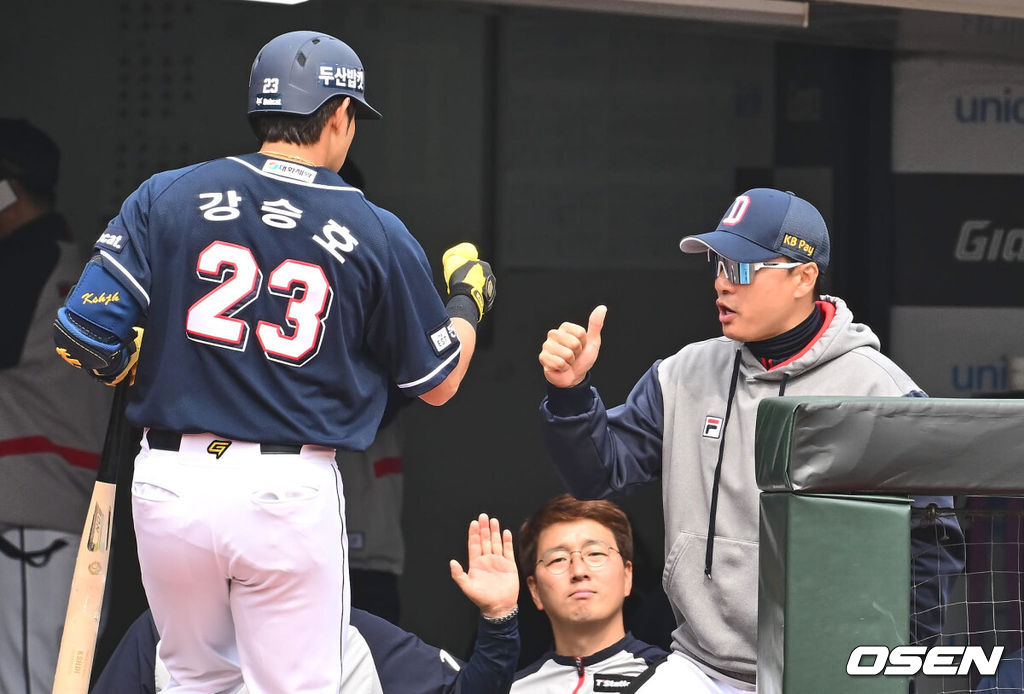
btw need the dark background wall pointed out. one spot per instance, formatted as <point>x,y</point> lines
<point>575,149</point>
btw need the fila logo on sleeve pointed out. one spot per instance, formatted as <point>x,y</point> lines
<point>712,427</point>
<point>736,212</point>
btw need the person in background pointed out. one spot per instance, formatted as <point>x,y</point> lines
<point>52,420</point>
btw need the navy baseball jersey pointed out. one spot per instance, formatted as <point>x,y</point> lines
<point>280,303</point>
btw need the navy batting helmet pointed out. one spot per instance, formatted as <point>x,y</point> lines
<point>298,71</point>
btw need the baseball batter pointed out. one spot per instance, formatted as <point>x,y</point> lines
<point>278,306</point>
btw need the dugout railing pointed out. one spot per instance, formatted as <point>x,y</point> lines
<point>835,525</point>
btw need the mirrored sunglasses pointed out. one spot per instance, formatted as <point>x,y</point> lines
<point>741,273</point>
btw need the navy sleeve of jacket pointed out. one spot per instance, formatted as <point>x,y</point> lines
<point>132,667</point>
<point>597,451</point>
<point>1009,676</point>
<point>407,665</point>
<point>937,558</point>
<point>493,664</point>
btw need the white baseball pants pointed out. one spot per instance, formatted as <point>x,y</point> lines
<point>243,557</point>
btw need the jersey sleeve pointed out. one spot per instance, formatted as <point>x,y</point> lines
<point>409,330</point>
<point>598,451</point>
<point>121,248</point>
<point>111,295</point>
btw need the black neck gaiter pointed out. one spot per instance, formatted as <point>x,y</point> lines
<point>778,349</point>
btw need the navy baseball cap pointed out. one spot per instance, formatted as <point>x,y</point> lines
<point>765,223</point>
<point>28,155</point>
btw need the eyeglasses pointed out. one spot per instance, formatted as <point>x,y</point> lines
<point>559,559</point>
<point>741,273</point>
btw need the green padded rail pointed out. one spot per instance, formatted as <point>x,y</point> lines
<point>923,445</point>
<point>834,575</point>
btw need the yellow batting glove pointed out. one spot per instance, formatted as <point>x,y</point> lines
<point>466,275</point>
<point>454,258</point>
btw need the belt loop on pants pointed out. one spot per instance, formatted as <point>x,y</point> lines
<point>165,440</point>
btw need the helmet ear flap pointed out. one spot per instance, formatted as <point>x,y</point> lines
<point>297,72</point>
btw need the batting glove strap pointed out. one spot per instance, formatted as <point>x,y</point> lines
<point>130,364</point>
<point>462,306</point>
<point>475,280</point>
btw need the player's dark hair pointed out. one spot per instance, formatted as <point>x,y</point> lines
<point>293,128</point>
<point>567,509</point>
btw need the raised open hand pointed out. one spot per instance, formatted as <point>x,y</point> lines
<point>492,580</point>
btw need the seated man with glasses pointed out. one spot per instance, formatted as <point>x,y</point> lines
<point>577,559</point>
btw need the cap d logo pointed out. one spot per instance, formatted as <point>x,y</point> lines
<point>736,212</point>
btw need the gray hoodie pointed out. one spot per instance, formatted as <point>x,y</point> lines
<point>679,419</point>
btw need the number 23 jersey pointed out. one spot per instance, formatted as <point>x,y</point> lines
<point>280,304</point>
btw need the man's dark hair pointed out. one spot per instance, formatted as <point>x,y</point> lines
<point>293,128</point>
<point>567,509</point>
<point>30,157</point>
<point>43,199</point>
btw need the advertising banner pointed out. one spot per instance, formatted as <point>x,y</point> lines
<point>960,352</point>
<point>957,116</point>
<point>958,240</point>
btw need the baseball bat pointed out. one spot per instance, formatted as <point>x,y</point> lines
<point>81,625</point>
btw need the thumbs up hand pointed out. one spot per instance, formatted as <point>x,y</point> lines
<point>571,350</point>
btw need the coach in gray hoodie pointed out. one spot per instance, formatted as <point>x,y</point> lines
<point>690,422</point>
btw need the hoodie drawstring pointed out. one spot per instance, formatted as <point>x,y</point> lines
<point>709,555</point>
